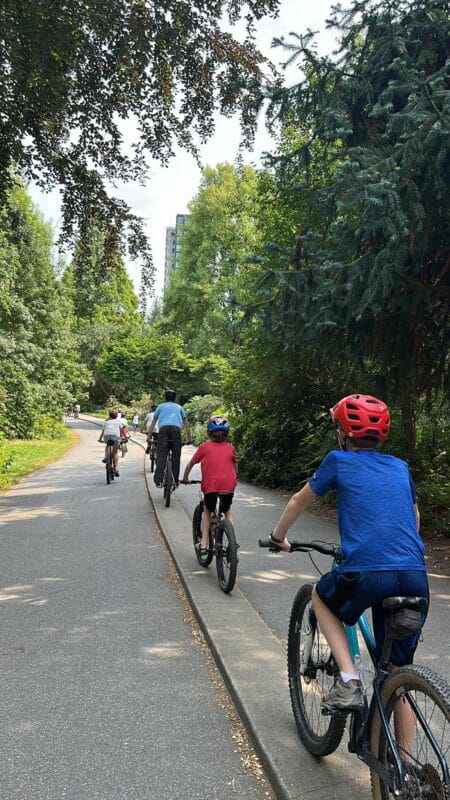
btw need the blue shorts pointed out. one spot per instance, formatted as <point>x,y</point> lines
<point>349,594</point>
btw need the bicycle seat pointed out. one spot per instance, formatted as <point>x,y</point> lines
<point>395,603</point>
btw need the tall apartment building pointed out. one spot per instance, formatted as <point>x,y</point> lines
<point>174,237</point>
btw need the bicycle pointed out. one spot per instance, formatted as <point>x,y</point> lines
<point>416,770</point>
<point>168,482</point>
<point>221,543</point>
<point>109,461</point>
<point>152,453</point>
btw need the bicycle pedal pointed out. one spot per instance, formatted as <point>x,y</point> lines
<point>333,711</point>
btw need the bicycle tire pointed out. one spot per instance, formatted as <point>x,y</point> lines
<point>321,735</point>
<point>204,561</point>
<point>426,779</point>
<point>168,481</point>
<point>108,475</point>
<point>226,556</point>
<point>152,461</point>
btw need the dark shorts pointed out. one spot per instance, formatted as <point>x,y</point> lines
<point>349,594</point>
<point>210,501</point>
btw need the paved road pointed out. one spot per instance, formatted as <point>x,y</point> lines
<point>104,694</point>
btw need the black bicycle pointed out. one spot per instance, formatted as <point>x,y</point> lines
<point>168,482</point>
<point>221,543</point>
<point>152,453</point>
<point>406,761</point>
<point>109,465</point>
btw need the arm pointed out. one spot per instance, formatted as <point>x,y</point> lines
<point>298,503</point>
<point>100,438</point>
<point>188,430</point>
<point>417,516</point>
<point>187,470</point>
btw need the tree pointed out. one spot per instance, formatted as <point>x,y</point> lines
<point>215,262</point>
<point>71,72</point>
<point>377,281</point>
<point>39,366</point>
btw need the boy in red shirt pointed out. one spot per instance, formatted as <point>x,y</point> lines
<point>219,473</point>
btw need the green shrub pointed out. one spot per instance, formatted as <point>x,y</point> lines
<point>47,427</point>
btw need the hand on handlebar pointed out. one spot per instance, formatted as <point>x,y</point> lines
<point>275,547</point>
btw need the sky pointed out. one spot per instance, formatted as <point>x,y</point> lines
<point>168,190</point>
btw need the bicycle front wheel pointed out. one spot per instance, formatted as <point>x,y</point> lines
<point>168,482</point>
<point>226,556</point>
<point>204,561</point>
<point>417,705</point>
<point>311,673</point>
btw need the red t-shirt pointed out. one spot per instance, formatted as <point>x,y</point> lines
<point>218,463</point>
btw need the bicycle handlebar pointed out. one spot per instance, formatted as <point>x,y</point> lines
<point>326,548</point>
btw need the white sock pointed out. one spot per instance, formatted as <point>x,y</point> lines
<point>346,677</point>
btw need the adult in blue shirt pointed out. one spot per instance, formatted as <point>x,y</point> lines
<point>171,417</point>
<point>382,552</point>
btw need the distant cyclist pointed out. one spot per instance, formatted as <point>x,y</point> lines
<point>77,410</point>
<point>111,432</point>
<point>145,428</point>
<point>218,462</point>
<point>135,423</point>
<point>383,554</point>
<point>171,417</point>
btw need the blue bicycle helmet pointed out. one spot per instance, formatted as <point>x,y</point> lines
<point>218,423</point>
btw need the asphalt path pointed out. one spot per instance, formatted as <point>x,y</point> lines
<point>104,693</point>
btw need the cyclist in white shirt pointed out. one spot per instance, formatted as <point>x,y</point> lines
<point>147,422</point>
<point>111,433</point>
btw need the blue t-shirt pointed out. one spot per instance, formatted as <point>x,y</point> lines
<point>375,496</point>
<point>170,414</point>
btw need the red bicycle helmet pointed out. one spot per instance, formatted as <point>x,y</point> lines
<point>361,415</point>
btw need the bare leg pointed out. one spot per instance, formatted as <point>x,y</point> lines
<point>116,458</point>
<point>229,516</point>
<point>206,518</point>
<point>333,630</point>
<point>404,726</point>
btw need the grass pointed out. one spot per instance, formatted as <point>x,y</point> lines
<point>19,457</point>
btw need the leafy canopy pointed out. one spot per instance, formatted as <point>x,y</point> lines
<point>71,73</point>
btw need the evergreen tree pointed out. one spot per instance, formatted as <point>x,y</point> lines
<point>375,282</point>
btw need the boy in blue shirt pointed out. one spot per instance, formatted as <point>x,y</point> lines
<point>383,554</point>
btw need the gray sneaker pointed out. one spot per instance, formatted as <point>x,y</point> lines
<point>344,695</point>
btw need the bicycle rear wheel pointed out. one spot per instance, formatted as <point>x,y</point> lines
<point>311,671</point>
<point>152,458</point>
<point>204,561</point>
<point>425,696</point>
<point>168,481</point>
<point>226,556</point>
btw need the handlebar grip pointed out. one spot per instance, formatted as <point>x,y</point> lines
<point>267,543</point>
